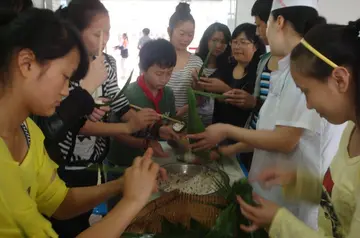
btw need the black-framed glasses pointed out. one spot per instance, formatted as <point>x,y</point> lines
<point>241,43</point>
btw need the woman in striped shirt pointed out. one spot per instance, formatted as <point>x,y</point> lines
<point>181,31</point>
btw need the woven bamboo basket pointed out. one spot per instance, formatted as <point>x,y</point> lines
<point>177,207</point>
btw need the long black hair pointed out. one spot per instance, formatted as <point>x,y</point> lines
<point>40,31</point>
<point>204,43</point>
<point>340,44</point>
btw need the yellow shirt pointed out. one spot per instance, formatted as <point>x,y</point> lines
<point>29,189</point>
<point>345,173</point>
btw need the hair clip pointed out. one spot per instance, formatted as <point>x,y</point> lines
<point>318,54</point>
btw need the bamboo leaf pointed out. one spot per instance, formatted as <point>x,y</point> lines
<point>205,64</point>
<point>118,95</point>
<point>210,95</point>
<point>225,223</point>
<point>195,125</point>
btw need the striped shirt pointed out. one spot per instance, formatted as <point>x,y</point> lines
<point>181,80</point>
<point>83,151</point>
<point>264,90</point>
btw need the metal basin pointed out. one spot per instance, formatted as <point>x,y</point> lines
<point>186,169</point>
<point>191,170</point>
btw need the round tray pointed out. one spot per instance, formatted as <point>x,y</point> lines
<point>191,170</point>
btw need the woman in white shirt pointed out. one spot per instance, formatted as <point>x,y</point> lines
<point>288,133</point>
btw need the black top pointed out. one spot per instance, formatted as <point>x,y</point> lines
<point>225,112</point>
<point>69,116</point>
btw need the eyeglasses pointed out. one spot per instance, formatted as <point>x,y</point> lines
<point>241,43</point>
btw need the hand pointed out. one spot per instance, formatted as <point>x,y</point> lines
<point>214,155</point>
<point>276,176</point>
<point>212,136</point>
<point>96,75</point>
<point>240,98</point>
<point>182,111</point>
<point>260,216</point>
<point>213,85</point>
<point>142,119</point>
<point>225,150</point>
<point>167,133</point>
<point>99,113</point>
<point>158,150</point>
<point>140,180</point>
<point>194,75</point>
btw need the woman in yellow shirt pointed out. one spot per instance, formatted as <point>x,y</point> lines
<point>325,67</point>
<point>38,54</point>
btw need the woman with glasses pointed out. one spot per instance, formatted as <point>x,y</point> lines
<point>239,74</point>
<point>216,39</point>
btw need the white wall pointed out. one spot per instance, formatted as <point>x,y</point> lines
<point>336,11</point>
<point>340,11</point>
<point>38,3</point>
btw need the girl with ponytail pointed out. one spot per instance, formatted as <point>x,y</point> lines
<point>325,67</point>
<point>181,31</point>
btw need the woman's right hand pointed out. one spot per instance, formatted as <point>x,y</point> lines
<point>142,119</point>
<point>96,75</point>
<point>276,176</point>
<point>214,85</point>
<point>195,80</point>
<point>140,180</point>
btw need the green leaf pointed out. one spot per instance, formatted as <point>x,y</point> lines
<point>118,95</point>
<point>195,125</point>
<point>205,64</point>
<point>225,224</point>
<point>210,95</point>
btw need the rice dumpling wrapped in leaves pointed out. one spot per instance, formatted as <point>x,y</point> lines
<point>195,125</point>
